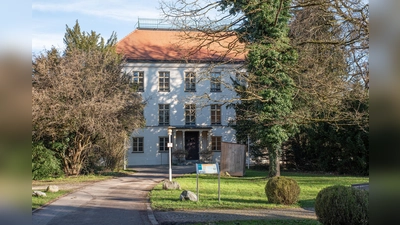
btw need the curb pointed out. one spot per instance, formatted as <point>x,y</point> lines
<point>150,214</point>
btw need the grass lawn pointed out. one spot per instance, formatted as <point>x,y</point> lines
<point>243,192</point>
<point>266,222</point>
<point>38,202</point>
<point>71,180</point>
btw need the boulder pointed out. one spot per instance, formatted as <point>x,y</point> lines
<point>52,188</point>
<point>39,194</point>
<point>168,185</point>
<point>188,195</point>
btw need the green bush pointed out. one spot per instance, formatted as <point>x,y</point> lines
<point>342,205</point>
<point>44,163</point>
<point>282,190</point>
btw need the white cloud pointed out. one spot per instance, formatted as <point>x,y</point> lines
<point>105,16</point>
<point>118,10</point>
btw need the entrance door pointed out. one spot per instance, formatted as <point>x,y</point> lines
<point>192,145</point>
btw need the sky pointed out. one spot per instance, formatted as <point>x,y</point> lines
<point>49,18</point>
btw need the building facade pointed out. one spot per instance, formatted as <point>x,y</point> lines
<point>187,94</point>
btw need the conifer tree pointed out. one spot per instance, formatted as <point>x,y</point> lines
<point>265,30</point>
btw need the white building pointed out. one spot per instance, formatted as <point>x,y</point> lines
<point>182,91</point>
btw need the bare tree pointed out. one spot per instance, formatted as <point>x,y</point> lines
<point>332,73</point>
<point>330,76</point>
<point>81,101</point>
<point>330,36</point>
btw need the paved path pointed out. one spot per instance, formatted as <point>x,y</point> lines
<point>124,200</point>
<point>120,200</point>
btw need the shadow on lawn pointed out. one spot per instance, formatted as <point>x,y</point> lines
<point>307,204</point>
<point>247,201</point>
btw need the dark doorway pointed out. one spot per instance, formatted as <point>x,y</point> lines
<point>192,145</point>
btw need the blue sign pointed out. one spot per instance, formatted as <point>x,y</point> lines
<point>207,168</point>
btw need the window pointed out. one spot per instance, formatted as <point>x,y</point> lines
<point>162,144</point>
<point>163,114</point>
<point>215,114</point>
<point>241,78</point>
<point>190,81</point>
<point>163,81</point>
<point>137,144</point>
<point>190,114</point>
<point>216,143</point>
<point>137,78</point>
<point>215,82</point>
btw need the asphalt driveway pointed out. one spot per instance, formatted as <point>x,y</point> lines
<point>120,200</point>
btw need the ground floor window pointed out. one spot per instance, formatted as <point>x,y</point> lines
<point>216,143</point>
<point>137,144</point>
<point>162,144</point>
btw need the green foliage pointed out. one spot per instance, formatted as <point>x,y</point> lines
<point>44,162</point>
<point>75,39</point>
<point>265,31</point>
<point>323,147</point>
<point>342,205</point>
<point>262,17</point>
<point>282,190</point>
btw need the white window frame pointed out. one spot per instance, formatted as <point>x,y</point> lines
<point>136,147</point>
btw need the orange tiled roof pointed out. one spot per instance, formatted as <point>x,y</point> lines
<point>170,45</point>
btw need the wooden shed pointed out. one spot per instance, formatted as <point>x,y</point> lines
<point>233,158</point>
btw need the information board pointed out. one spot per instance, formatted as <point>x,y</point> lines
<point>207,168</point>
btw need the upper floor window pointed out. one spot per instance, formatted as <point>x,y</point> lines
<point>215,82</point>
<point>162,144</point>
<point>190,114</point>
<point>190,81</point>
<point>163,81</point>
<point>163,114</point>
<point>241,78</point>
<point>137,144</point>
<point>137,78</point>
<point>215,114</point>
<point>216,143</point>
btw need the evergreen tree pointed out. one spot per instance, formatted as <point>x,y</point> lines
<point>265,31</point>
<point>75,39</point>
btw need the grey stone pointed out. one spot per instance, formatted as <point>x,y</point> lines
<point>188,195</point>
<point>52,188</point>
<point>39,194</point>
<point>168,185</point>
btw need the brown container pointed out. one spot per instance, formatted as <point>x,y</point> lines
<point>233,159</point>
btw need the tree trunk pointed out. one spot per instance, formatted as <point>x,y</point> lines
<point>74,158</point>
<point>277,163</point>
<point>274,165</point>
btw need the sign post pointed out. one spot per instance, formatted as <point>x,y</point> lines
<point>208,169</point>
<point>170,157</point>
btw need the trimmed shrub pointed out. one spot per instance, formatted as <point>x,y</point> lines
<point>342,205</point>
<point>282,190</point>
